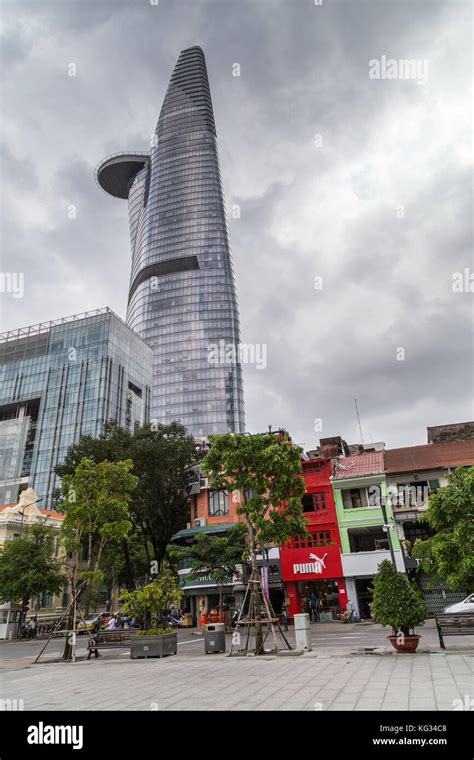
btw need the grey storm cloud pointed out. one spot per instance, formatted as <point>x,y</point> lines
<point>378,206</point>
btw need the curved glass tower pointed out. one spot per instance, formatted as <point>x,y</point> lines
<point>182,299</point>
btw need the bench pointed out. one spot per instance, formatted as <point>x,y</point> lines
<point>454,624</point>
<point>110,640</point>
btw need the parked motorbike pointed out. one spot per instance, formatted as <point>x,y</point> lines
<point>174,621</point>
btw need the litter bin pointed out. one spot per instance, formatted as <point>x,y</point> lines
<point>303,632</point>
<point>214,638</point>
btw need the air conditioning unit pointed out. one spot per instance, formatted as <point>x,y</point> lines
<point>204,483</point>
<point>199,522</point>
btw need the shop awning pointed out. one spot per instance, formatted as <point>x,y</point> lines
<point>192,532</point>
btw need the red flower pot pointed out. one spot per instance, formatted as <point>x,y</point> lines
<point>407,644</point>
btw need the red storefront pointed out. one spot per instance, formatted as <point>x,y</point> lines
<point>311,566</point>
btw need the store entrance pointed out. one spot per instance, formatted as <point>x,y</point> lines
<point>277,598</point>
<point>364,596</point>
<point>320,599</point>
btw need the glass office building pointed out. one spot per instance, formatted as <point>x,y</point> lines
<point>60,380</point>
<point>182,298</point>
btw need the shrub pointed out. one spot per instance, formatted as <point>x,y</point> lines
<point>153,601</point>
<point>156,631</point>
<point>395,602</point>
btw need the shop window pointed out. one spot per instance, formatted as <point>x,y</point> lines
<point>218,503</point>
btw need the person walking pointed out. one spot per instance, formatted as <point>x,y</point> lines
<point>313,605</point>
<point>32,628</point>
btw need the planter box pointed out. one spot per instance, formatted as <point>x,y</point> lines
<point>410,643</point>
<point>154,646</point>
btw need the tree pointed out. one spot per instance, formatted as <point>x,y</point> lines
<point>96,499</point>
<point>153,601</point>
<point>29,567</point>
<point>215,557</point>
<point>161,455</point>
<point>449,555</point>
<point>395,601</point>
<point>266,471</point>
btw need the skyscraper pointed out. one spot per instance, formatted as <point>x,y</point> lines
<point>182,298</point>
<point>60,380</point>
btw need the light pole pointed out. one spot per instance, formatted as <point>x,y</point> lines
<point>387,528</point>
<point>24,606</point>
<point>23,512</point>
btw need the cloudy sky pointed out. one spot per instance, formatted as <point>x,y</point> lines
<point>364,183</point>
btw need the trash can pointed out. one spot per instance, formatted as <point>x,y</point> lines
<point>303,632</point>
<point>214,638</point>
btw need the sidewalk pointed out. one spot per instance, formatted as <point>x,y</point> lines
<point>217,682</point>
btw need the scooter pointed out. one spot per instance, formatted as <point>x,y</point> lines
<point>174,621</point>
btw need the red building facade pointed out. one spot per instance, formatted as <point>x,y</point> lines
<point>311,566</point>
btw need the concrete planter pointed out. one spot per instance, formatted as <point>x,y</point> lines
<point>154,646</point>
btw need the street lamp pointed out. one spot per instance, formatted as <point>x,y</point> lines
<point>24,607</point>
<point>23,513</point>
<point>387,528</point>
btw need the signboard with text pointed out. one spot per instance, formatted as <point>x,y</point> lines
<point>315,563</point>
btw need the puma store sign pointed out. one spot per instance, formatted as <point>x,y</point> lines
<point>316,566</point>
<point>320,563</point>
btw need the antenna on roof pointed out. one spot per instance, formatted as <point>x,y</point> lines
<point>358,420</point>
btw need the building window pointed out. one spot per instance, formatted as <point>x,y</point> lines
<point>317,538</point>
<point>313,467</point>
<point>218,503</point>
<point>367,539</point>
<point>314,502</point>
<point>319,501</point>
<point>354,498</point>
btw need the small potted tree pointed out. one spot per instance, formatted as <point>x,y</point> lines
<point>151,603</point>
<point>397,604</point>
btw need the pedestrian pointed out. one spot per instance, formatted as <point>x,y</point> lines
<point>32,628</point>
<point>313,605</point>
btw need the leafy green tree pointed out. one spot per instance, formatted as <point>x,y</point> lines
<point>161,454</point>
<point>215,557</point>
<point>29,567</point>
<point>264,472</point>
<point>395,601</point>
<point>153,601</point>
<point>449,555</point>
<point>96,499</point>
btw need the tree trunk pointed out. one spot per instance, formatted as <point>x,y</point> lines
<point>24,610</point>
<point>255,599</point>
<point>128,566</point>
<point>67,652</point>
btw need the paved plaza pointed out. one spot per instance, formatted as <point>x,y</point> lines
<point>351,668</point>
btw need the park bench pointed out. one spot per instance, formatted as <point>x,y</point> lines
<point>454,624</point>
<point>110,640</point>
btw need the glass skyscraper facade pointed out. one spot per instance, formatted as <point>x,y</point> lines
<point>60,380</point>
<point>182,298</point>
